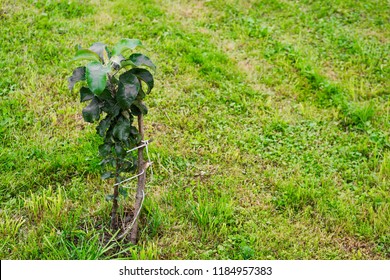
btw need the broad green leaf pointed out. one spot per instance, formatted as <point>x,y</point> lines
<point>127,62</point>
<point>106,95</point>
<point>107,175</point>
<point>123,191</point>
<point>113,164</point>
<point>116,61</point>
<point>110,105</point>
<point>127,90</point>
<point>141,95</point>
<point>109,197</point>
<point>135,110</point>
<point>84,54</point>
<point>142,107</point>
<point>78,75</point>
<point>125,44</point>
<point>139,59</point>
<point>135,136</point>
<point>111,108</point>
<point>104,149</point>
<point>127,115</point>
<point>122,129</point>
<point>103,126</point>
<point>91,113</point>
<point>118,178</point>
<point>129,166</point>
<point>138,108</point>
<point>96,75</point>
<point>101,50</point>
<point>120,152</point>
<point>131,142</point>
<point>134,130</point>
<point>145,76</point>
<point>85,94</point>
<point>114,81</point>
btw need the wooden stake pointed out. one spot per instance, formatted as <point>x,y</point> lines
<point>141,181</point>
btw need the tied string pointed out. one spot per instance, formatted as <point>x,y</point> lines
<point>127,230</point>
<point>147,164</point>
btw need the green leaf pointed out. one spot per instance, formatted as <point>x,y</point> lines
<point>103,126</point>
<point>113,81</point>
<point>85,94</point>
<point>138,108</point>
<point>96,75</point>
<point>111,108</point>
<point>107,175</point>
<point>91,113</point>
<point>106,95</point>
<point>127,115</point>
<point>109,197</point>
<point>101,50</point>
<point>134,131</point>
<point>117,61</point>
<point>139,59</point>
<point>120,152</point>
<point>110,105</point>
<point>78,75</point>
<point>129,166</point>
<point>127,90</point>
<point>135,137</point>
<point>125,44</point>
<point>104,162</point>
<point>142,107</point>
<point>113,164</point>
<point>145,76</point>
<point>84,54</point>
<point>141,95</point>
<point>105,149</point>
<point>127,62</point>
<point>135,110</point>
<point>121,130</point>
<point>123,192</point>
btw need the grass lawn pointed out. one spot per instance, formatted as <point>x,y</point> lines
<point>270,120</point>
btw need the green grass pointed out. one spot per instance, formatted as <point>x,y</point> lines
<point>271,123</point>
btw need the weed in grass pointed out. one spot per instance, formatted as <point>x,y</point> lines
<point>48,203</point>
<point>10,226</point>
<point>155,219</point>
<point>212,217</point>
<point>76,245</point>
<point>360,114</point>
<point>144,252</point>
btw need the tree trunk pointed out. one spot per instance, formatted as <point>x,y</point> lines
<point>115,199</point>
